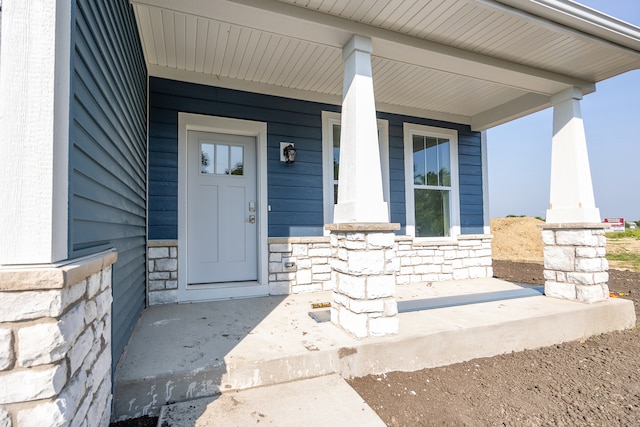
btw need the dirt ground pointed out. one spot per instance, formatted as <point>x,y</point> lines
<point>594,382</point>
<point>517,239</point>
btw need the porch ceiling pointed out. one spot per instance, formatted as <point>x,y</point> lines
<point>480,62</point>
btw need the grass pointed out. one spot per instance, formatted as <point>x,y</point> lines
<point>631,259</point>
<point>633,234</point>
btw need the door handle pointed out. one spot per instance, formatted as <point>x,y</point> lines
<point>252,219</point>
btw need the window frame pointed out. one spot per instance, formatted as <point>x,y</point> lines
<point>409,130</point>
<point>329,119</point>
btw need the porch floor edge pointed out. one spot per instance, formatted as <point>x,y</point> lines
<point>183,352</point>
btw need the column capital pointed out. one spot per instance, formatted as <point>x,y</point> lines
<point>357,43</point>
<point>567,94</point>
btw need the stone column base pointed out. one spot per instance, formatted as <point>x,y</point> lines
<point>575,267</point>
<point>364,266</point>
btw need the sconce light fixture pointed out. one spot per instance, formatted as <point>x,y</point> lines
<point>288,152</point>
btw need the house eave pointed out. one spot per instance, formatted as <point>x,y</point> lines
<point>481,84</point>
<point>581,18</point>
<point>265,89</point>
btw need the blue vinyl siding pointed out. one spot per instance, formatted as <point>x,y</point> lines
<point>469,171</point>
<point>107,171</point>
<point>294,191</point>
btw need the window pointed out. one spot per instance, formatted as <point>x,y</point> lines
<point>331,160</point>
<point>431,181</point>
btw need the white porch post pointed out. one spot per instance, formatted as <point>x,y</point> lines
<point>360,196</point>
<point>575,267</point>
<point>362,239</point>
<point>571,197</point>
<point>34,124</point>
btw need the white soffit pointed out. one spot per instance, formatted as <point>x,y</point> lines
<point>477,62</point>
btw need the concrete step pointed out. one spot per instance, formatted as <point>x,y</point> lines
<point>183,352</point>
<point>315,402</point>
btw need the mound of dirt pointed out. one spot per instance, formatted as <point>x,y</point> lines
<point>517,239</point>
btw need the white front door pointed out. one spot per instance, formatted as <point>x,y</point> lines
<point>222,227</point>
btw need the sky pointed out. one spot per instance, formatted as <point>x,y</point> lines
<point>519,152</point>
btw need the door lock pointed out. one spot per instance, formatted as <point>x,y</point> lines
<point>252,219</point>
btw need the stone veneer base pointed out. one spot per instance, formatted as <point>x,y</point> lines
<point>302,264</point>
<point>55,343</point>
<point>162,270</point>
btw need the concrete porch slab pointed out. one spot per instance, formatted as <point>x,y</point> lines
<point>184,352</point>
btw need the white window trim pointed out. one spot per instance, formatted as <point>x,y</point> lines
<point>411,129</point>
<point>328,120</point>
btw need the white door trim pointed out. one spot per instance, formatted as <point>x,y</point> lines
<point>199,122</point>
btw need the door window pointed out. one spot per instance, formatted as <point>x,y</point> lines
<point>221,159</point>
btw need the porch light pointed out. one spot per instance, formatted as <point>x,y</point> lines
<point>289,154</point>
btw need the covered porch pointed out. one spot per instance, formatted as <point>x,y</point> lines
<point>371,80</point>
<point>406,91</point>
<point>186,351</point>
<point>97,184</point>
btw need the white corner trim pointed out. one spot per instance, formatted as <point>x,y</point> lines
<point>61,132</point>
<point>486,211</point>
<point>34,117</point>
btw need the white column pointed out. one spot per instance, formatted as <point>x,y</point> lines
<point>34,124</point>
<point>571,188</point>
<point>360,196</point>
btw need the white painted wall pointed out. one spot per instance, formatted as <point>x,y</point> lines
<point>34,124</point>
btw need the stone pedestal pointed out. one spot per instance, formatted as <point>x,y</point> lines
<point>575,267</point>
<point>364,269</point>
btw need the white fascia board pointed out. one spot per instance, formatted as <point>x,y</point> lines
<point>523,106</point>
<point>279,18</point>
<point>266,89</point>
<point>576,18</point>
<point>519,107</point>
